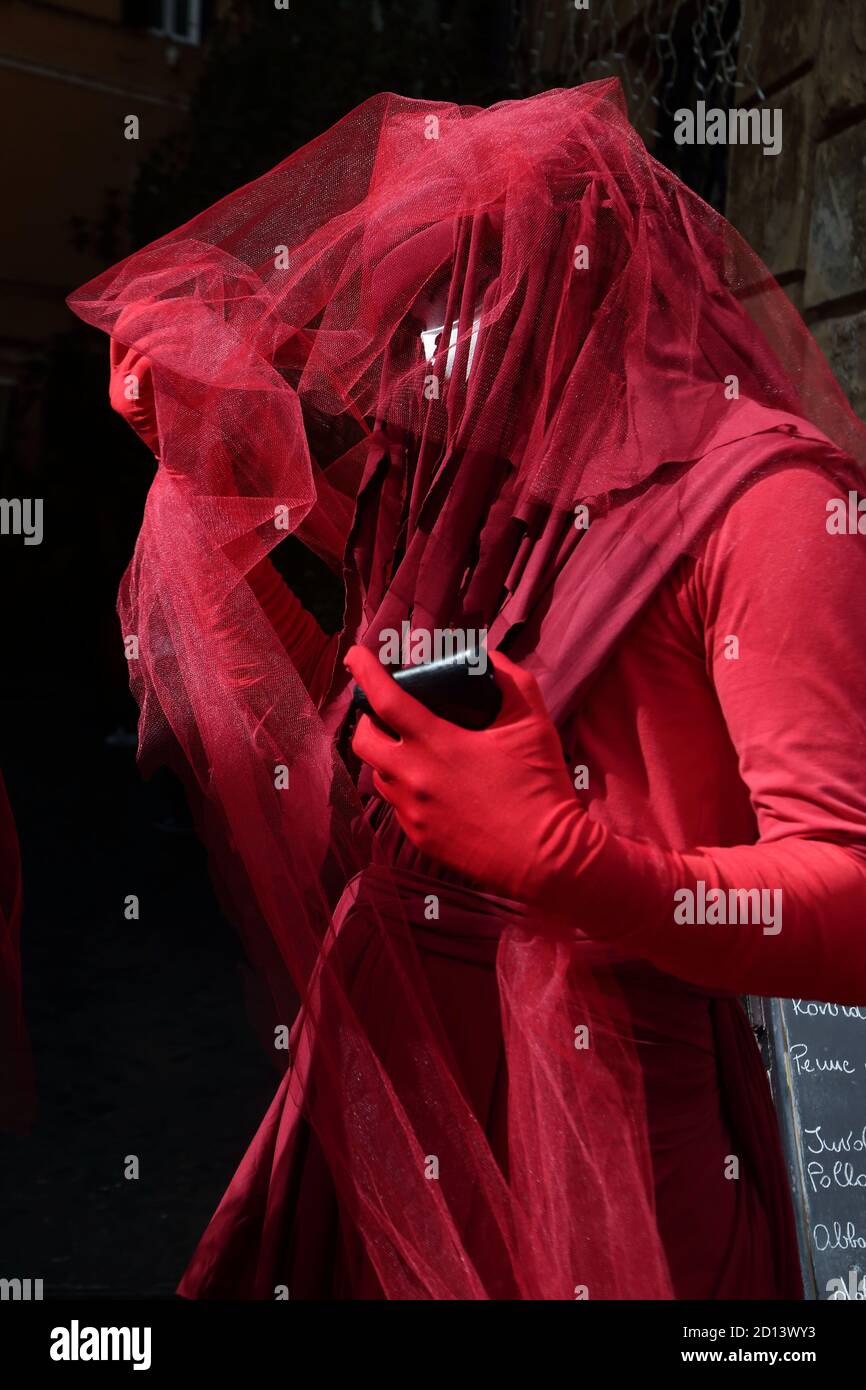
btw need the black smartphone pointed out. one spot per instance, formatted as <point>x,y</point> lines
<point>455,688</point>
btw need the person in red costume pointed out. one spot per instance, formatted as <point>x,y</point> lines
<point>520,1067</point>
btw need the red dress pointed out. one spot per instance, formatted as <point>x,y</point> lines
<point>689,738</point>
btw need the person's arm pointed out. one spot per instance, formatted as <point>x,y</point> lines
<point>793,596</point>
<point>311,650</point>
<point>498,804</point>
<point>130,391</point>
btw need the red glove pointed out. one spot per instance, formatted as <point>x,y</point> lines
<point>130,391</point>
<point>495,804</point>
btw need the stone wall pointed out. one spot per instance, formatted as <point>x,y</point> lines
<point>804,210</point>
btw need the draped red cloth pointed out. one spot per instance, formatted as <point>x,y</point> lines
<point>631,356</point>
<point>282,1226</point>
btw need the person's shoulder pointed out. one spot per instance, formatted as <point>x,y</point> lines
<point>796,499</point>
<point>797,488</point>
<point>785,521</point>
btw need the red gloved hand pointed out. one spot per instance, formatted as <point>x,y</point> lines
<point>130,374</point>
<point>495,804</point>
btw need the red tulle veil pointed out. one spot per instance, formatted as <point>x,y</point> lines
<point>622,340</point>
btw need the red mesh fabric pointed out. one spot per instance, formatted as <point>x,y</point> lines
<point>282,331</point>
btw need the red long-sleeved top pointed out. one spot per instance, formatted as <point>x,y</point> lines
<point>734,711</point>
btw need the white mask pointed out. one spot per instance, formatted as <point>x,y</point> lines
<point>431,336</point>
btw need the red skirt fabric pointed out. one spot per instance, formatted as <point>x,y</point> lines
<point>281,1230</point>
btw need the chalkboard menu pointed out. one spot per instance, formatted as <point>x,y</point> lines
<point>816,1055</point>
